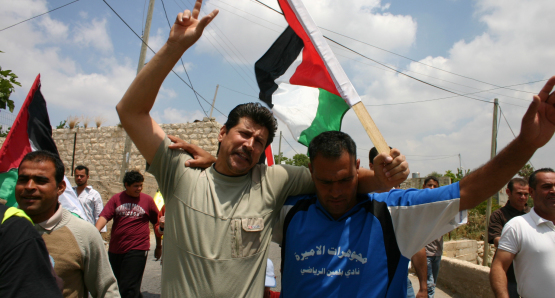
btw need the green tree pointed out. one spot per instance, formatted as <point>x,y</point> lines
<point>7,82</point>
<point>300,160</point>
<point>526,171</point>
<point>456,177</point>
<point>283,159</point>
<point>435,174</point>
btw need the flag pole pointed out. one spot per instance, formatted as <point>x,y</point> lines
<point>370,127</point>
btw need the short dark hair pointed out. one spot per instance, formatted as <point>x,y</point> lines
<point>82,167</point>
<point>331,144</point>
<point>517,180</point>
<point>373,153</point>
<point>431,178</point>
<point>41,156</point>
<point>257,113</point>
<point>132,177</point>
<point>532,181</point>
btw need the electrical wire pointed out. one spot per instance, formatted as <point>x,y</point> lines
<point>175,73</point>
<point>239,92</point>
<point>38,15</point>
<point>257,1</point>
<point>183,64</point>
<point>289,144</point>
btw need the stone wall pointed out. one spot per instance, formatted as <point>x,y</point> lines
<point>464,278</point>
<point>101,149</point>
<point>464,250</point>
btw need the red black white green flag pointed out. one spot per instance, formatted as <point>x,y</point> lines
<point>301,80</point>
<point>31,131</point>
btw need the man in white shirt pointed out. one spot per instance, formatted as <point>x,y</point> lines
<point>528,241</point>
<point>89,198</point>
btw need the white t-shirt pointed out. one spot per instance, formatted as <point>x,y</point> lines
<point>532,239</point>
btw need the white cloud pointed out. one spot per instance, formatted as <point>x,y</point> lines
<point>513,49</point>
<point>93,34</point>
<point>232,35</point>
<point>172,115</point>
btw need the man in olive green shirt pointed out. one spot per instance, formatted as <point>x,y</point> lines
<point>219,221</point>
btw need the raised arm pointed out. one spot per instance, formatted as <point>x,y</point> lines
<point>390,171</point>
<point>134,108</point>
<point>538,126</point>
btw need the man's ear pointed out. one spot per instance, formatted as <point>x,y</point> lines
<point>532,192</point>
<point>508,191</point>
<point>357,163</point>
<point>223,132</point>
<point>61,187</point>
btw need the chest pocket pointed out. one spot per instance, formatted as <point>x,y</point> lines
<point>246,235</point>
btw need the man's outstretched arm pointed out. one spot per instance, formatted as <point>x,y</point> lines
<point>538,126</point>
<point>134,108</point>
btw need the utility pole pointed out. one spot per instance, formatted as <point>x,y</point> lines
<point>142,57</point>
<point>279,149</point>
<point>214,101</point>
<point>496,195</point>
<point>460,163</point>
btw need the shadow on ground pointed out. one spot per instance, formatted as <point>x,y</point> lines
<point>150,295</point>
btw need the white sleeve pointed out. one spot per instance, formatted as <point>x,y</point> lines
<point>509,240</point>
<point>98,206</point>
<point>421,216</point>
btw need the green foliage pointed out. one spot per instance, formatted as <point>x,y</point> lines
<point>7,82</point>
<point>475,229</point>
<point>526,171</point>
<point>435,174</point>
<point>4,134</point>
<point>283,159</point>
<point>300,160</point>
<point>62,124</point>
<point>456,177</point>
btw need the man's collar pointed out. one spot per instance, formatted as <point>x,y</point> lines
<point>538,220</point>
<point>53,221</point>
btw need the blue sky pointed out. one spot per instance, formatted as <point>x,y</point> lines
<point>87,58</point>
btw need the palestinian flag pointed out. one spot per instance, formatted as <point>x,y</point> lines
<point>301,80</point>
<point>267,156</point>
<point>30,132</point>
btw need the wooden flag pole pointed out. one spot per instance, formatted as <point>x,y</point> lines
<point>370,127</point>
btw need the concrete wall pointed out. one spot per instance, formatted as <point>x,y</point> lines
<point>464,278</point>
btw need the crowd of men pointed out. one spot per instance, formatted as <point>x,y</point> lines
<point>343,230</point>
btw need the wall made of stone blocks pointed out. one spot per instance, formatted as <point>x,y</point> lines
<point>464,278</point>
<point>101,149</point>
<point>418,182</point>
<point>464,250</point>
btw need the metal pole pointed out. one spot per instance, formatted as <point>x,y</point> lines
<point>460,163</point>
<point>496,195</point>
<point>73,158</point>
<point>279,149</point>
<point>142,57</point>
<point>214,101</point>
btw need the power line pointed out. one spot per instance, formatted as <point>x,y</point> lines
<point>239,92</point>
<point>257,1</point>
<point>175,73</point>
<point>183,64</point>
<point>289,144</point>
<point>39,15</point>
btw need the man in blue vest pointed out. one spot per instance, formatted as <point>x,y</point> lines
<point>338,243</point>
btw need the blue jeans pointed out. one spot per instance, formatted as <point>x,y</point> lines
<point>410,290</point>
<point>433,270</point>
